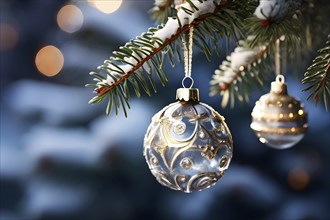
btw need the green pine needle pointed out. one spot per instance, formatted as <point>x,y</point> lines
<point>317,77</point>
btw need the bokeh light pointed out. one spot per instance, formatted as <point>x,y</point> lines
<point>106,6</point>
<point>298,178</point>
<point>49,60</point>
<point>70,18</point>
<point>8,36</point>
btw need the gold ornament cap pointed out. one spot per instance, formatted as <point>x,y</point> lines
<point>278,86</point>
<point>187,95</point>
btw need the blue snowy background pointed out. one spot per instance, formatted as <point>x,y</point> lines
<point>64,159</point>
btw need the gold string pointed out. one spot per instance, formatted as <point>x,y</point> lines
<point>187,56</point>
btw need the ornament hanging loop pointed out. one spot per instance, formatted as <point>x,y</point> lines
<point>280,79</point>
<point>186,80</point>
<point>279,87</point>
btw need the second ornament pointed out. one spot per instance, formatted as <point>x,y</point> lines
<point>278,119</point>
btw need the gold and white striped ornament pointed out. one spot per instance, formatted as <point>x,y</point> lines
<point>278,119</point>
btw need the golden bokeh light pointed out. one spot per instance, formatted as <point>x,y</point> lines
<point>298,178</point>
<point>70,18</point>
<point>106,6</point>
<point>49,60</point>
<point>8,37</point>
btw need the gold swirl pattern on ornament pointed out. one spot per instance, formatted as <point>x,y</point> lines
<point>209,152</point>
<point>166,128</point>
<point>182,145</point>
<point>223,123</point>
<point>164,180</point>
<point>189,146</point>
<point>197,182</point>
<point>180,179</point>
<point>202,181</point>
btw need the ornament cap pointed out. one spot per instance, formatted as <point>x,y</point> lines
<point>187,95</point>
<point>279,87</point>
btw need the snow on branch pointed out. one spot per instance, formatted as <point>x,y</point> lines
<point>141,56</point>
<point>232,68</point>
<point>238,71</point>
<point>156,40</point>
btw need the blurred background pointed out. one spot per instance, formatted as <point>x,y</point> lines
<point>64,159</point>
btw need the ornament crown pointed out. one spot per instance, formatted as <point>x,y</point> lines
<point>187,95</point>
<point>279,87</point>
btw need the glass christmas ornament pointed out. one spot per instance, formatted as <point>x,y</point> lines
<point>278,119</point>
<point>188,145</point>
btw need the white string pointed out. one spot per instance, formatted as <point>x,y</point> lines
<point>187,56</point>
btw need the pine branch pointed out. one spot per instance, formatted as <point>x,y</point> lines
<point>271,26</point>
<point>162,10</point>
<point>318,76</point>
<point>240,72</point>
<point>135,62</point>
<point>271,21</point>
<point>316,28</point>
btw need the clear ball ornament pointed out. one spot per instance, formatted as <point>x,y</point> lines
<point>278,119</point>
<point>188,145</point>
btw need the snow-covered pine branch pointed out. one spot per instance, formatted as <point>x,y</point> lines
<point>235,70</point>
<point>241,69</point>
<point>158,38</point>
<point>149,43</point>
<point>235,66</point>
<point>274,18</point>
<point>274,10</point>
<point>135,62</point>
